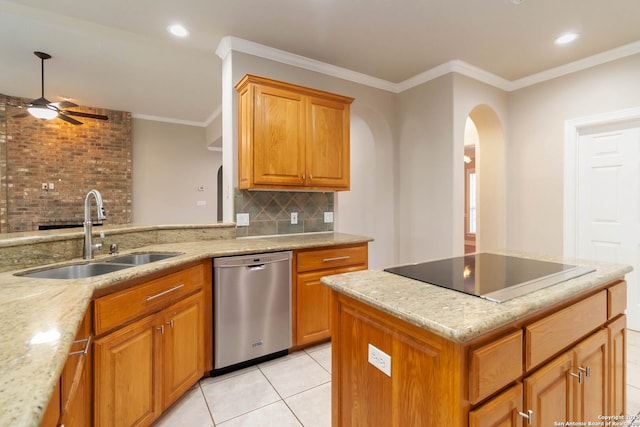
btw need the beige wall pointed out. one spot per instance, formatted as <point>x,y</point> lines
<point>372,109</point>
<point>170,161</point>
<point>536,145</point>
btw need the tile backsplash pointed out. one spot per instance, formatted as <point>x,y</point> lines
<point>270,212</point>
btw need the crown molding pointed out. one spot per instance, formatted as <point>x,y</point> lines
<point>231,43</point>
<point>579,65</point>
<point>167,120</point>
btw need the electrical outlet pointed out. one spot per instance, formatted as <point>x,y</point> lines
<point>328,217</point>
<point>51,186</point>
<point>45,186</point>
<point>294,217</point>
<point>242,220</point>
<point>201,203</point>
<point>380,359</point>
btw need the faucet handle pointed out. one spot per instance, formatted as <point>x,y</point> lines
<point>113,249</point>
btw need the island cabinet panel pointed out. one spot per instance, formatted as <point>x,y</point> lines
<point>591,364</point>
<point>549,392</point>
<point>617,299</point>
<point>495,365</point>
<point>312,299</point>
<point>511,376</point>
<point>550,335</point>
<point>423,388</point>
<point>501,411</point>
<point>291,137</point>
<point>617,365</point>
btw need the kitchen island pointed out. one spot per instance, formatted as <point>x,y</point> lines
<point>410,353</point>
<point>42,316</point>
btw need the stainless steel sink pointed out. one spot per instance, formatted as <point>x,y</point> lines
<point>77,271</point>
<point>143,257</point>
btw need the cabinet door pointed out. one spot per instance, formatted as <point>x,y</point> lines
<point>327,149</point>
<point>617,366</point>
<point>127,368</point>
<point>312,308</point>
<point>501,411</point>
<point>183,347</point>
<point>549,391</point>
<point>76,379</point>
<point>279,137</point>
<point>591,396</point>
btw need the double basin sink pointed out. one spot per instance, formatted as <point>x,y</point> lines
<point>79,271</point>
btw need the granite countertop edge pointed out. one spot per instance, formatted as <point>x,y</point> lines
<point>457,316</point>
<point>34,308</point>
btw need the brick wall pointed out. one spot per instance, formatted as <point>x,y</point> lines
<point>75,159</point>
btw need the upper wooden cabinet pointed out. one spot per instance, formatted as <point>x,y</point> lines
<point>291,137</point>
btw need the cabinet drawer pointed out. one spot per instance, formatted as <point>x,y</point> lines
<point>495,365</point>
<point>336,257</point>
<point>616,299</point>
<point>121,307</point>
<point>550,335</point>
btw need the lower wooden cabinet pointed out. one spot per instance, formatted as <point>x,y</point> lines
<point>144,367</point>
<point>311,298</point>
<point>71,403</point>
<point>503,410</point>
<point>434,381</point>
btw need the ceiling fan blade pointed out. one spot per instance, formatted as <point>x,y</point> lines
<point>21,115</point>
<point>64,104</point>
<point>69,119</point>
<point>88,115</point>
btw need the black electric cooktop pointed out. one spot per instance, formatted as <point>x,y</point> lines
<point>494,277</point>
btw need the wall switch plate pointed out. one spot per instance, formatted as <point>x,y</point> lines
<point>242,220</point>
<point>51,186</point>
<point>328,217</point>
<point>294,217</point>
<point>201,203</point>
<point>380,359</point>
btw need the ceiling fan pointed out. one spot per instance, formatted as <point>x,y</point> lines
<point>42,108</point>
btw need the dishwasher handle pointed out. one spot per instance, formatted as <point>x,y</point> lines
<point>252,260</point>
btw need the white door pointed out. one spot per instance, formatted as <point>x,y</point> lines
<point>609,203</point>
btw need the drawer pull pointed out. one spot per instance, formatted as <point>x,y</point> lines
<point>586,370</point>
<point>85,350</point>
<point>168,291</point>
<point>528,416</point>
<point>579,376</point>
<point>170,323</point>
<point>338,258</point>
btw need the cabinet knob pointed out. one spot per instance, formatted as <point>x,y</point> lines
<point>528,416</point>
<point>160,328</point>
<point>170,323</point>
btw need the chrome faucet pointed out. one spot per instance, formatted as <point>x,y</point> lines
<point>88,245</point>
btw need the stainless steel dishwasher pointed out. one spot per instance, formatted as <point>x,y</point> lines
<point>252,307</point>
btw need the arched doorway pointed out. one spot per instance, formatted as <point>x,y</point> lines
<point>490,171</point>
<point>471,141</point>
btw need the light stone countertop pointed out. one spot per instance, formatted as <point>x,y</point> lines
<point>30,307</point>
<point>457,316</point>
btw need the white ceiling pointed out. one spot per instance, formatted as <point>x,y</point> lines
<point>117,53</point>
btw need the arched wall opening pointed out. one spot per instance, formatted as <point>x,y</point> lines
<point>368,208</point>
<point>491,170</point>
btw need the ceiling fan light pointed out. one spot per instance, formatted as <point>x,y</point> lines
<point>42,112</point>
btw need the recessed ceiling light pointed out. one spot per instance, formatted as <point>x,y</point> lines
<point>178,30</point>
<point>566,38</point>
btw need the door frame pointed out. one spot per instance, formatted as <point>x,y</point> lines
<point>572,129</point>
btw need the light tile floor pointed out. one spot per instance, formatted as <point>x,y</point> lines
<point>295,390</point>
